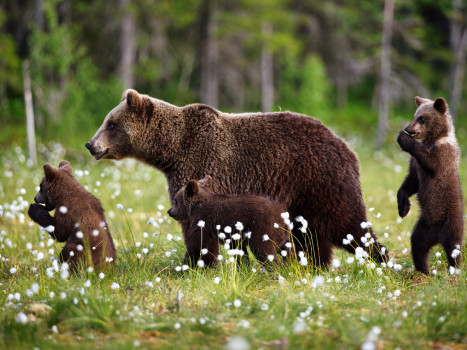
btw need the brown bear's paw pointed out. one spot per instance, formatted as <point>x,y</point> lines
<point>405,141</point>
<point>403,203</point>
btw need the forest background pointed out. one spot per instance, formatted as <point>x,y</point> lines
<point>356,65</point>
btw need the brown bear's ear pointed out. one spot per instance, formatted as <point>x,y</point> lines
<point>206,181</point>
<point>49,172</point>
<point>132,98</point>
<point>192,188</point>
<point>65,166</point>
<point>440,105</point>
<point>419,101</point>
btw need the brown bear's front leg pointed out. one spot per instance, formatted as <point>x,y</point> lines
<point>418,151</point>
<point>408,188</point>
<point>39,214</point>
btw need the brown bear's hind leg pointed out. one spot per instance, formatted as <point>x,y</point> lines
<point>423,239</point>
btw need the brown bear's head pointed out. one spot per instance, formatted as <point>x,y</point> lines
<point>431,120</point>
<point>140,127</point>
<point>187,196</point>
<point>51,185</point>
<point>112,139</point>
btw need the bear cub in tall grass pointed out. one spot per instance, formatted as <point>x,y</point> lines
<point>78,220</point>
<point>258,218</point>
<point>434,175</point>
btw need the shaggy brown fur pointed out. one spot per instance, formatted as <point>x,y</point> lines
<point>291,158</point>
<point>433,174</point>
<point>83,213</point>
<point>197,201</point>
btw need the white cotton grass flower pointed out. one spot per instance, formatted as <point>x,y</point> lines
<point>101,275</point>
<point>276,225</point>
<point>365,224</point>
<point>222,236</point>
<point>217,280</point>
<point>237,343</point>
<point>177,325</point>
<point>237,303</point>
<point>239,226</point>
<point>201,223</point>
<point>455,253</point>
<point>21,318</point>
<point>87,284</point>
<point>13,270</point>
<point>114,285</point>
<point>49,228</point>
<point>318,281</point>
<point>288,245</point>
<point>236,236</point>
<point>284,253</point>
<point>204,251</point>
<point>265,238</point>
<point>247,235</point>
<point>200,263</point>
<point>336,263</point>
<point>285,215</point>
<point>119,206</point>
<point>228,229</point>
<point>63,209</point>
<point>271,257</point>
<point>169,237</point>
<point>79,235</point>
<point>299,326</point>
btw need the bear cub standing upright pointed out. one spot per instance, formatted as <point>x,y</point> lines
<point>257,218</point>
<point>434,175</point>
<point>78,220</point>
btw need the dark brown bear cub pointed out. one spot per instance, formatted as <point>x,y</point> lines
<point>434,175</point>
<point>257,220</point>
<point>78,220</point>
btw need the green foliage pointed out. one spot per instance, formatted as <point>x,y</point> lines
<point>305,87</point>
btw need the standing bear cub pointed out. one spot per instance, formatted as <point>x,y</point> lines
<point>78,220</point>
<point>256,218</point>
<point>433,174</point>
<point>291,158</point>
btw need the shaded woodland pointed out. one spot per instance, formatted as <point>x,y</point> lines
<point>360,60</point>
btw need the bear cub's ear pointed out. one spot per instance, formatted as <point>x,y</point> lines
<point>192,188</point>
<point>65,166</point>
<point>440,105</point>
<point>49,172</point>
<point>419,100</point>
<point>132,98</point>
<point>206,181</point>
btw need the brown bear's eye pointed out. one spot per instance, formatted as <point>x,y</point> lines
<point>110,126</point>
<point>421,120</point>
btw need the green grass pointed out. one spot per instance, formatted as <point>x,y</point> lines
<point>155,306</point>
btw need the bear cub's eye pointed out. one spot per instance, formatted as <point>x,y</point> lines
<point>110,126</point>
<point>421,120</point>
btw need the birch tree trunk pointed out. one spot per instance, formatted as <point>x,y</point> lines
<point>127,45</point>
<point>31,135</point>
<point>385,75</point>
<point>267,72</point>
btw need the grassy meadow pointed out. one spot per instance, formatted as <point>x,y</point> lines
<point>151,300</point>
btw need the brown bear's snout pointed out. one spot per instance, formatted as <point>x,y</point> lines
<point>170,212</point>
<point>88,145</point>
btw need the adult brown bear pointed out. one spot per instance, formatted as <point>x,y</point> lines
<point>291,158</point>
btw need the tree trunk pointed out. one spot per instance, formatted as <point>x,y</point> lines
<point>29,116</point>
<point>127,45</point>
<point>459,48</point>
<point>385,83</point>
<point>267,72</point>
<point>209,84</point>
